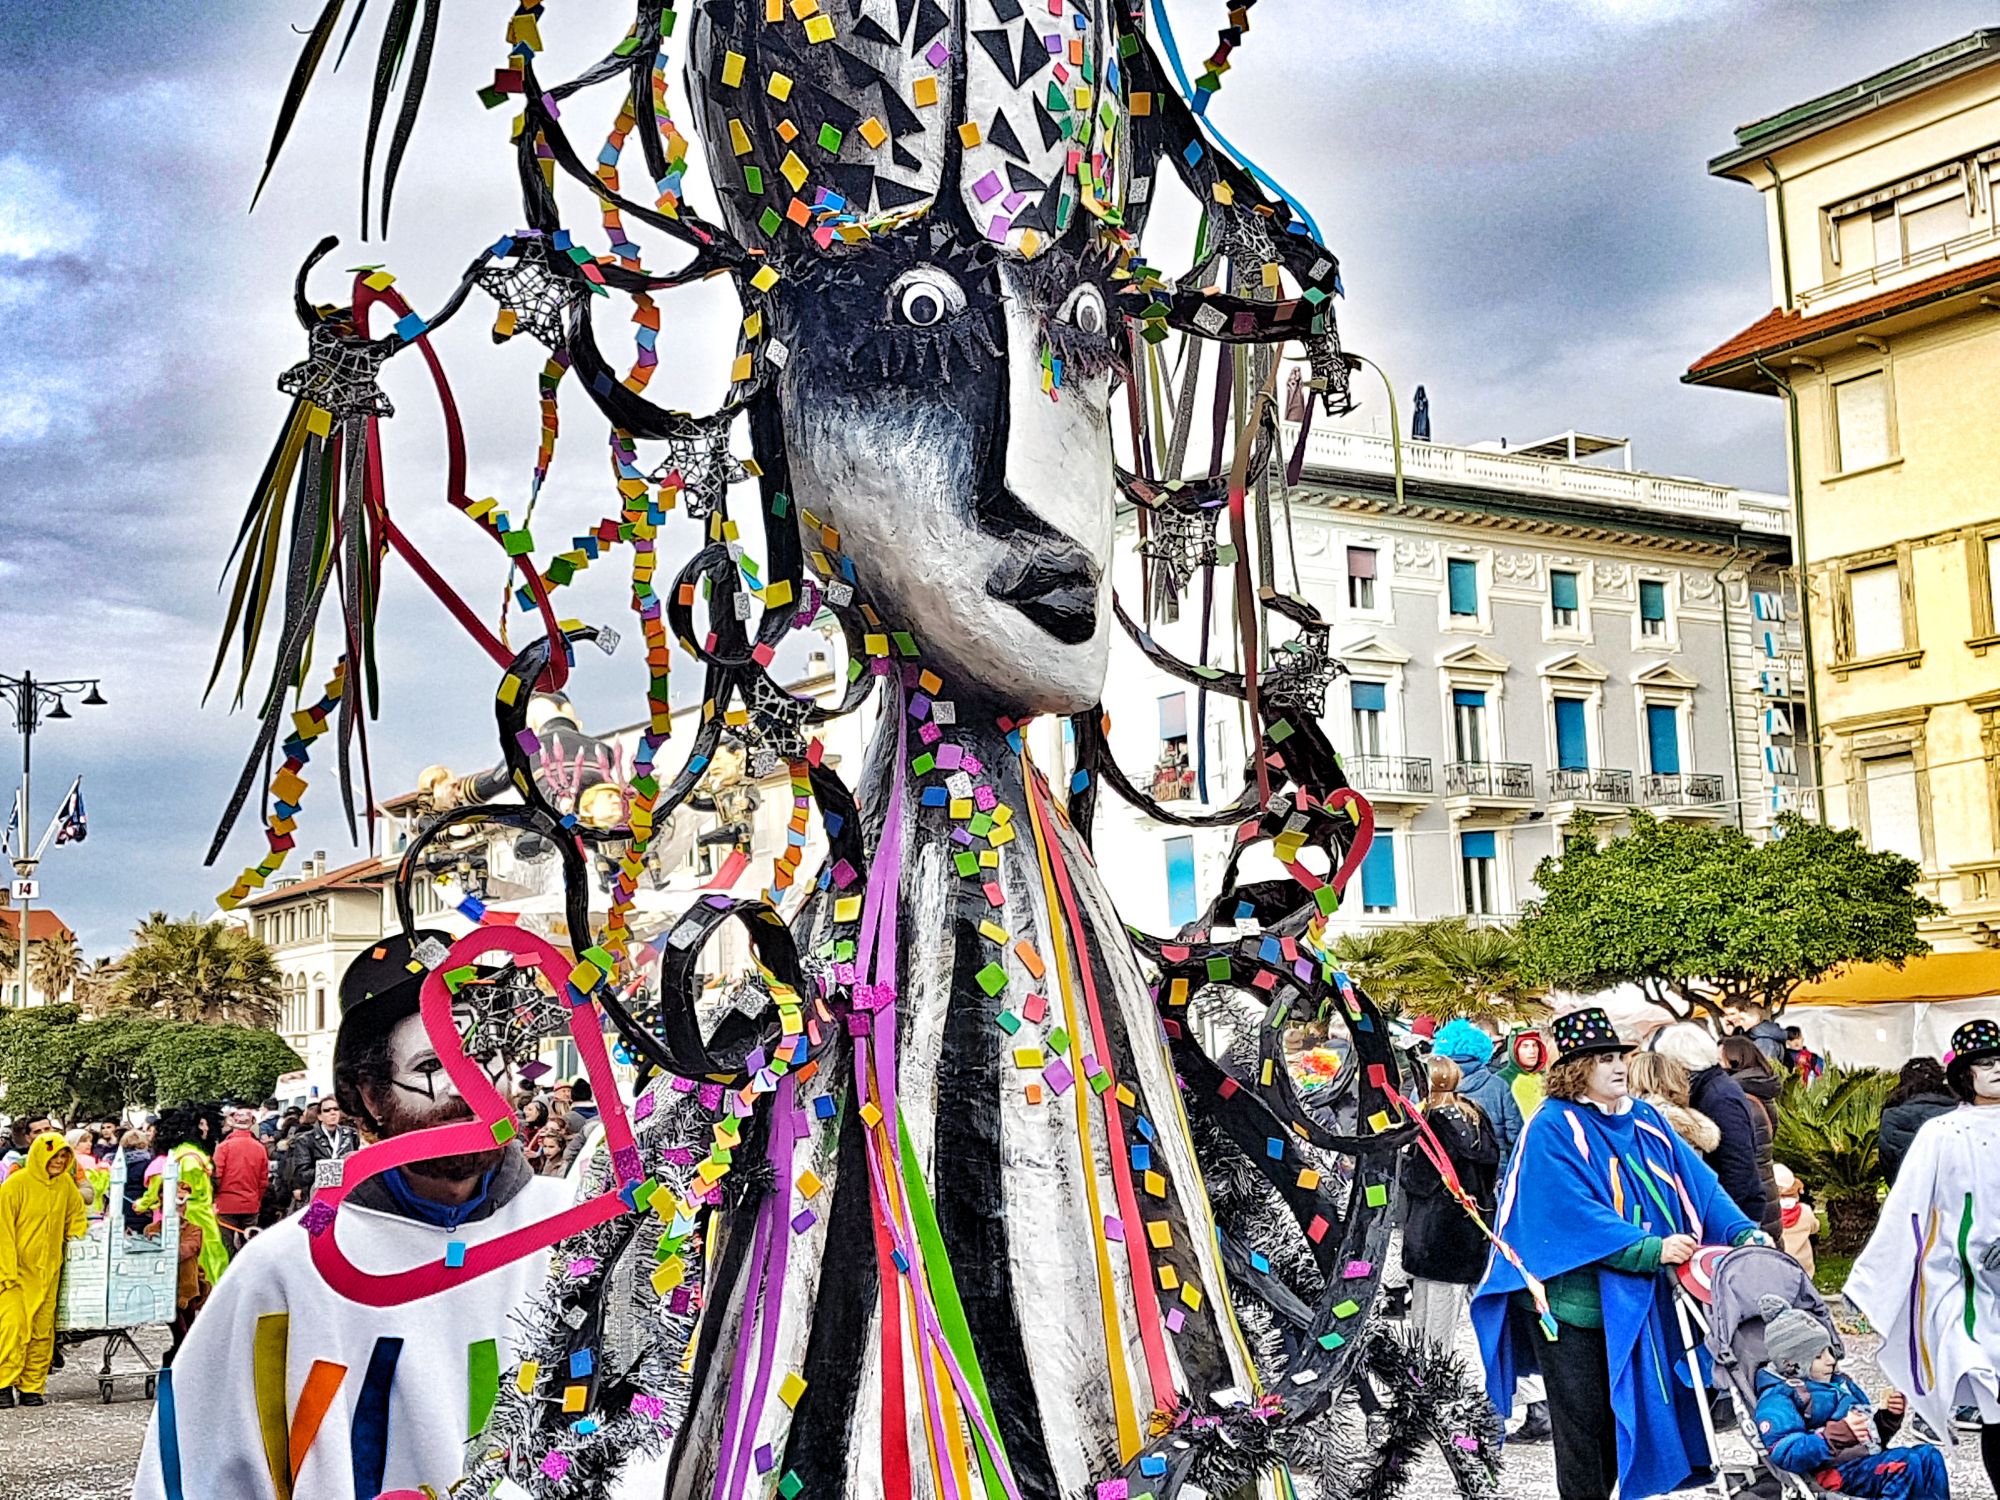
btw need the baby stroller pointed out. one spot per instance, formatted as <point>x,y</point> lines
<point>1717,1293</point>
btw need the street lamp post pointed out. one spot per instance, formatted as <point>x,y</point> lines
<point>30,696</point>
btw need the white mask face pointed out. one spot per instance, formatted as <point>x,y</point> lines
<point>1607,1077</point>
<point>1985,1077</point>
<point>424,1088</point>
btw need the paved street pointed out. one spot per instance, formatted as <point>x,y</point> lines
<point>78,1449</point>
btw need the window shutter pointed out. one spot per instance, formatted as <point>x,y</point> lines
<point>1463,574</point>
<point>1173,716</point>
<point>1893,822</point>
<point>1467,698</point>
<point>1572,740</point>
<point>1562,590</point>
<point>1180,881</point>
<point>1360,562</point>
<point>1861,421</point>
<point>1663,738</point>
<point>1476,845</point>
<point>1652,599</point>
<point>1378,872</point>
<point>1877,598</point>
<point>1368,697</point>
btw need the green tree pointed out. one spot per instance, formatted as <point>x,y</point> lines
<point>1442,969</point>
<point>54,1061</point>
<point>1828,1133</point>
<point>54,965</point>
<point>191,970</point>
<point>1701,918</point>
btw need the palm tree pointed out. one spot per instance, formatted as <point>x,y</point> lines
<point>97,987</point>
<point>191,970</point>
<point>1442,969</point>
<point>55,964</point>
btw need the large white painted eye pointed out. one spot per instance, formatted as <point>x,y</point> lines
<point>1084,307</point>
<point>924,297</point>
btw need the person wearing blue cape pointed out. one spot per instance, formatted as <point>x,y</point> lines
<point>1602,1199</point>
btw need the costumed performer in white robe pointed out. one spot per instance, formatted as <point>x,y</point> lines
<point>1929,1278</point>
<point>286,1386</point>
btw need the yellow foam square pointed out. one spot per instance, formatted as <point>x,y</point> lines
<point>791,1388</point>
<point>765,279</point>
<point>1027,1057</point>
<point>1169,1278</point>
<point>924,91</point>
<point>1308,1179</point>
<point>524,1381</point>
<point>574,1397</point>
<point>1160,1233</point>
<point>872,131</point>
<point>1156,1184</point>
<point>779,86</point>
<point>968,134</point>
<point>732,68</point>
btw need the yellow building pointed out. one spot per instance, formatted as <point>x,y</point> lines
<point>1883,206</point>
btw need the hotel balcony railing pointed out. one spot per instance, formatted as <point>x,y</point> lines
<point>1680,790</point>
<point>1488,778</point>
<point>1408,774</point>
<point>1977,245</point>
<point>1592,784</point>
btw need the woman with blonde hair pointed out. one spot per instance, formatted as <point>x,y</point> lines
<point>1444,1251</point>
<point>1663,1083</point>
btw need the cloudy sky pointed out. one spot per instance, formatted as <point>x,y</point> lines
<point>1516,191</point>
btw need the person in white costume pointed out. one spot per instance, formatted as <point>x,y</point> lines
<point>285,1386</point>
<point>1929,1278</point>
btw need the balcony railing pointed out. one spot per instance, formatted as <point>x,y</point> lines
<point>1408,774</point>
<point>1340,450</point>
<point>1977,245</point>
<point>1592,784</point>
<point>1488,778</point>
<point>1680,791</point>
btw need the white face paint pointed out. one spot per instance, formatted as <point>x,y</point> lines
<point>1985,1076</point>
<point>1607,1078</point>
<point>424,1092</point>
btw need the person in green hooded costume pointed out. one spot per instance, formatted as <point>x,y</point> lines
<point>178,1133</point>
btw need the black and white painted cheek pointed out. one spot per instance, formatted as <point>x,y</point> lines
<point>981,507</point>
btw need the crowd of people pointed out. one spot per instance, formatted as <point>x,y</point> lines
<point>240,1169</point>
<point>1599,1181</point>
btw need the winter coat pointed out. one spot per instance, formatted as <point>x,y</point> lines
<point>242,1173</point>
<point>1770,1039</point>
<point>1440,1241</point>
<point>1691,1125</point>
<point>1762,1089</point>
<point>1900,1123</point>
<point>1735,1158</point>
<point>310,1148</point>
<point>1485,1088</point>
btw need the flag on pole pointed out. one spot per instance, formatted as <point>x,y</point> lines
<point>72,824</point>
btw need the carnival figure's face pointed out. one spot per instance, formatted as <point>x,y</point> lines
<point>947,414</point>
<point>1608,1078</point>
<point>1985,1076</point>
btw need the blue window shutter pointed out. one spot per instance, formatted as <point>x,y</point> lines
<point>1562,590</point>
<point>1467,698</point>
<point>1368,697</point>
<point>1476,845</point>
<point>1180,881</point>
<point>1464,576</point>
<point>1652,600</point>
<point>1173,716</point>
<point>1378,872</point>
<point>1572,740</point>
<point>1663,738</point>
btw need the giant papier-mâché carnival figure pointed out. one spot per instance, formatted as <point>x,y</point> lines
<point>948,1200</point>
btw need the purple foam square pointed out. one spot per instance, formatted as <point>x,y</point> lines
<point>997,230</point>
<point>642,1109</point>
<point>1176,1320</point>
<point>949,756</point>
<point>626,1163</point>
<point>960,836</point>
<point>937,54</point>
<point>930,734</point>
<point>583,1265</point>
<point>803,1220</point>
<point>971,764</point>
<point>1114,1228</point>
<point>555,1465</point>
<point>318,1217</point>
<point>986,189</point>
<point>843,874</point>
<point>1053,41</point>
<point>985,798</point>
<point>765,1458</point>
<point>1058,1076</point>
<point>681,1300</point>
<point>1013,201</point>
<point>1356,1269</point>
<point>920,707</point>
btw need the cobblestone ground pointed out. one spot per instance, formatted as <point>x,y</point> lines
<point>76,1448</point>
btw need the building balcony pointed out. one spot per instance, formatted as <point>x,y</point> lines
<point>1913,266</point>
<point>1588,788</point>
<point>1682,795</point>
<point>1390,780</point>
<point>1505,789</point>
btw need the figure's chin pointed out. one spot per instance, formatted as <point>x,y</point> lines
<point>1032,674</point>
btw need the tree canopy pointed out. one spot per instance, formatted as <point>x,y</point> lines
<point>53,1061</point>
<point>1443,969</point>
<point>1702,918</point>
<point>191,970</point>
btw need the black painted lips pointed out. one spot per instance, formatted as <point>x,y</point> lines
<point>1053,582</point>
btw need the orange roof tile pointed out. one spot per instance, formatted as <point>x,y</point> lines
<point>1779,329</point>
<point>43,926</point>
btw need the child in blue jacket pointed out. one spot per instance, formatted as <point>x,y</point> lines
<point>1813,1420</point>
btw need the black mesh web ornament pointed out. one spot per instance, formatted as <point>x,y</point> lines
<point>1177,544</point>
<point>1300,672</point>
<point>540,293</point>
<point>339,374</point>
<point>705,465</point>
<point>776,727</point>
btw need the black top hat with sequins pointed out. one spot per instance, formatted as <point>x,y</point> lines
<point>1583,1032</point>
<point>1975,1041</point>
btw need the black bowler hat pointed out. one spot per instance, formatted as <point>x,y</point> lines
<point>1583,1032</point>
<point>385,982</point>
<point>1973,1042</point>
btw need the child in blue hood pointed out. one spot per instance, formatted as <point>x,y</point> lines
<point>1815,1421</point>
<point>1472,1049</point>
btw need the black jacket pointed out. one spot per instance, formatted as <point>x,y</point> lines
<point>1440,1241</point>
<point>310,1148</point>
<point>1762,1089</point>
<point>1713,1092</point>
<point>1900,1123</point>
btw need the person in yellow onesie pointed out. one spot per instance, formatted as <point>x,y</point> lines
<point>40,1212</point>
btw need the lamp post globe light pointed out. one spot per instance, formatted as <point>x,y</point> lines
<point>33,699</point>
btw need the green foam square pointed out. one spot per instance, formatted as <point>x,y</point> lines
<point>829,138</point>
<point>992,978</point>
<point>1218,968</point>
